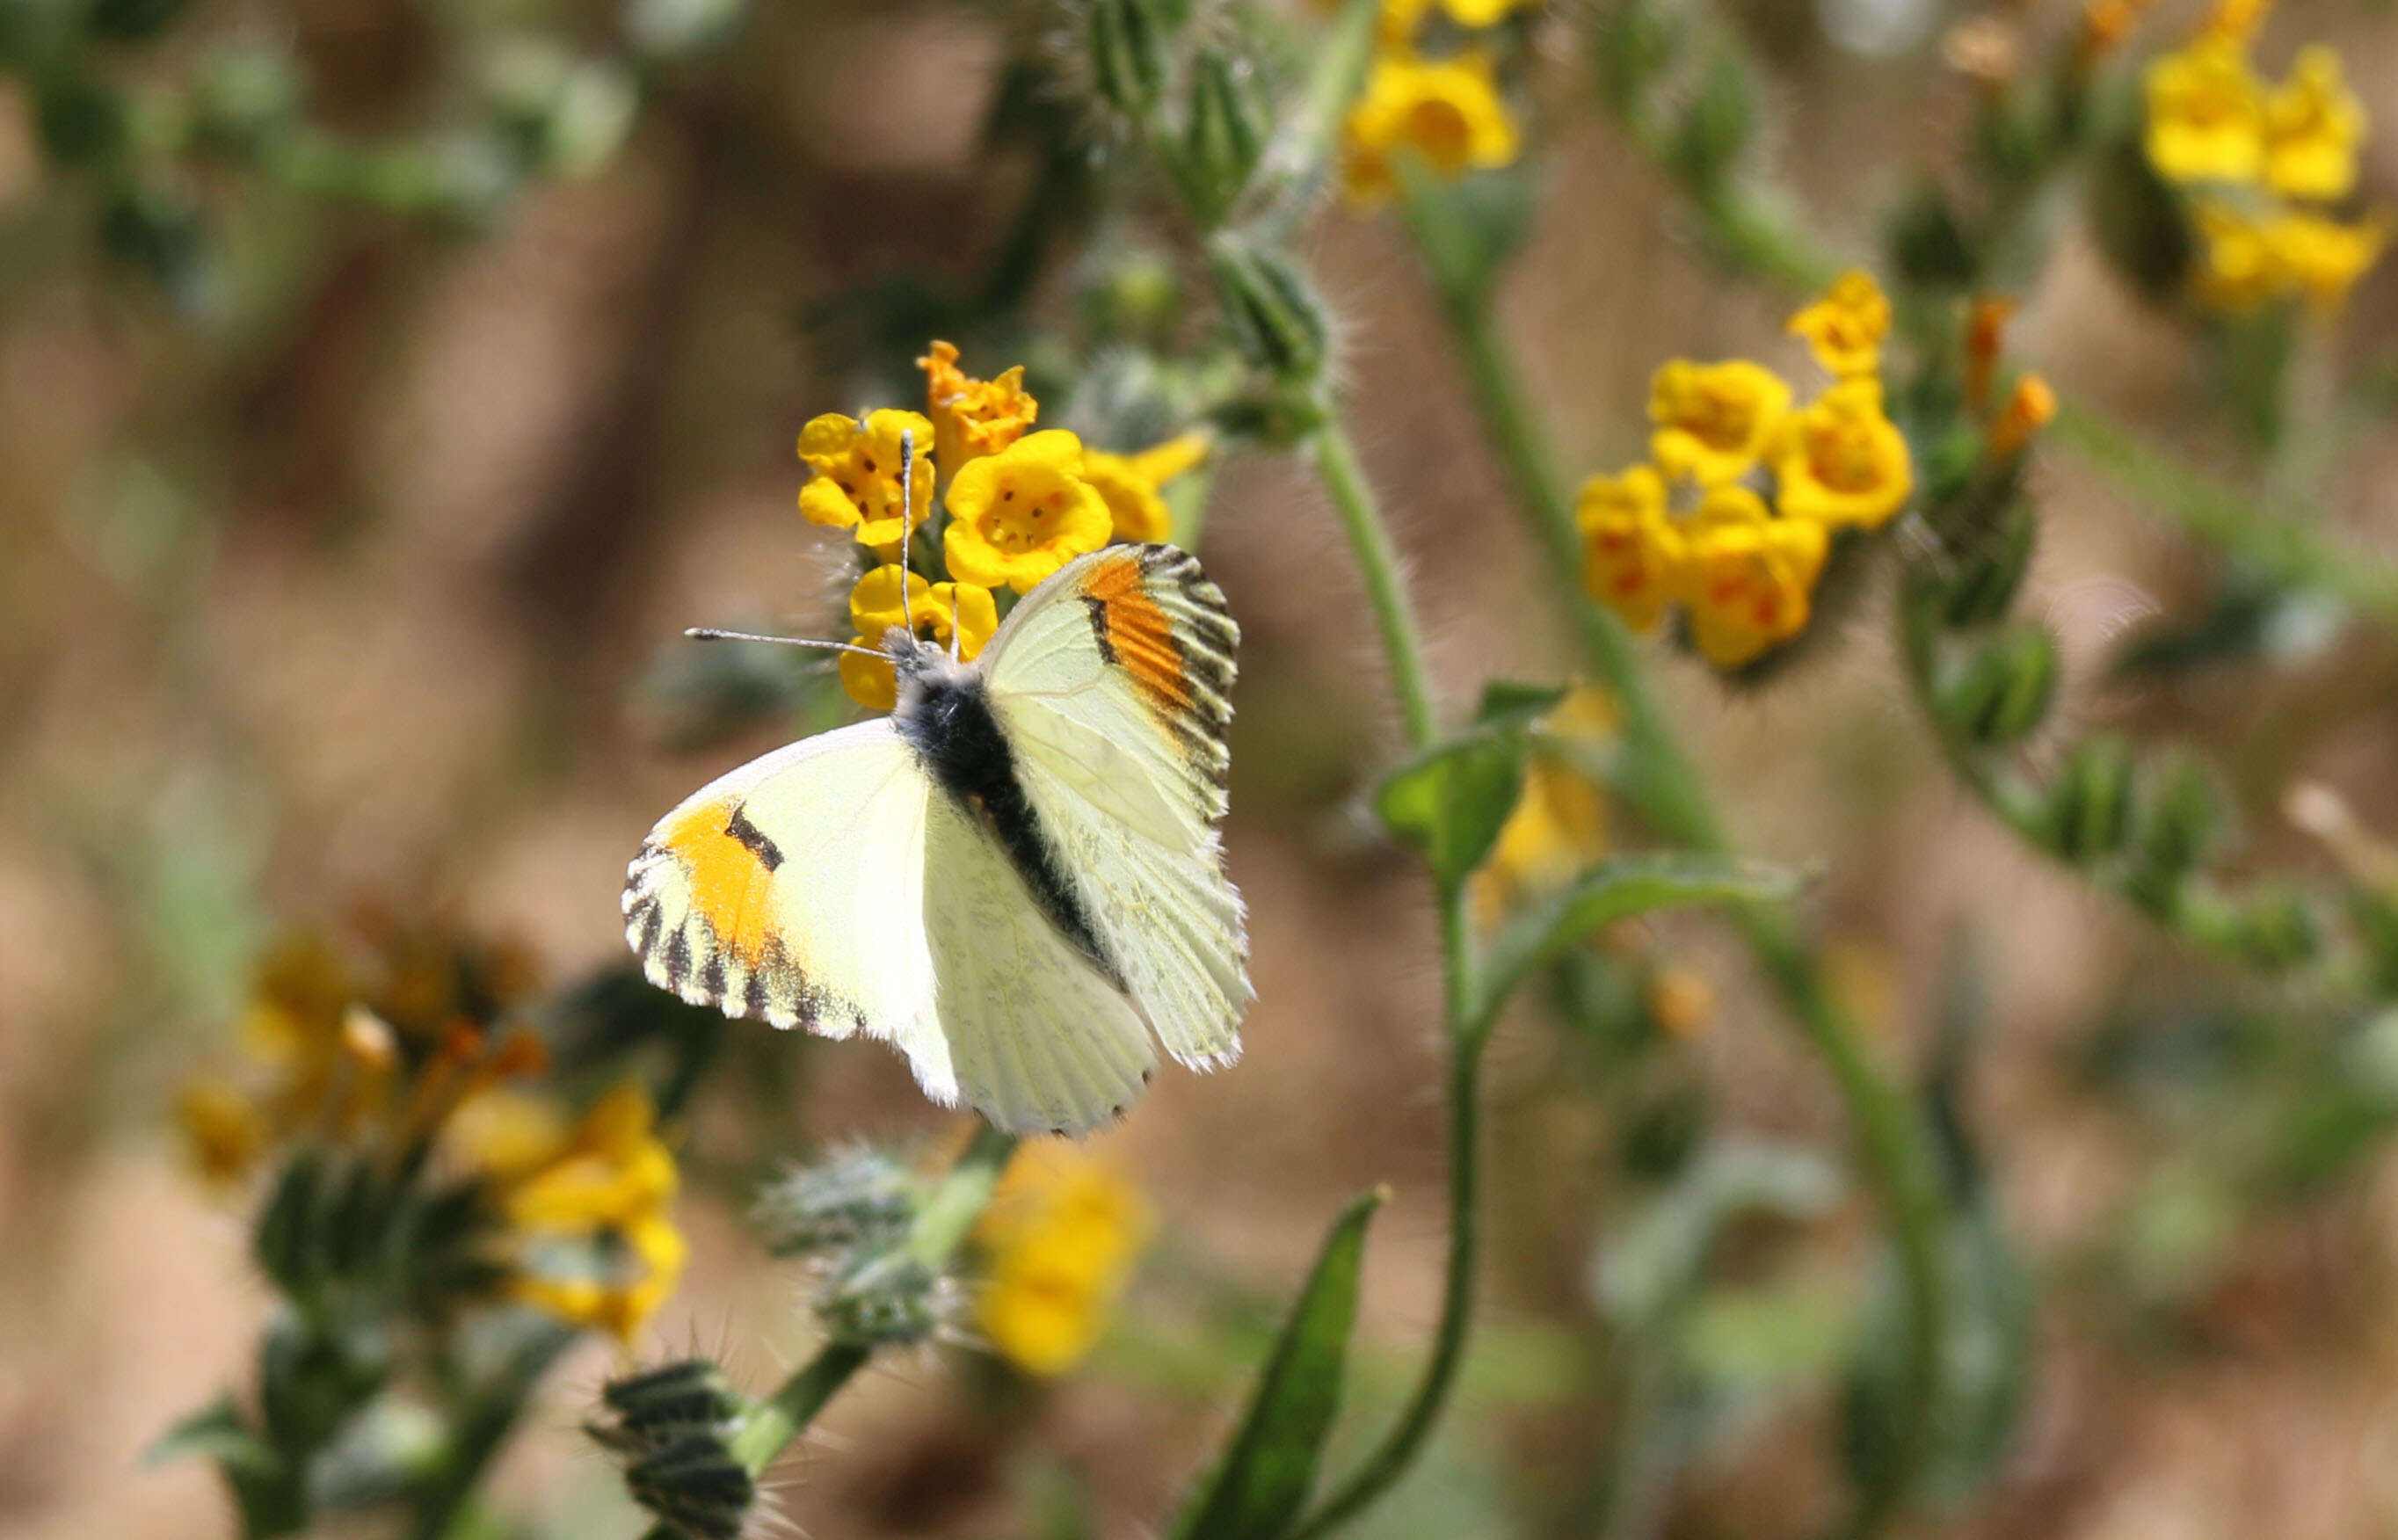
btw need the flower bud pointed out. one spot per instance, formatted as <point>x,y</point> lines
<point>694,1486</point>
<point>2276,928</point>
<point>864,1197</point>
<point>1222,137</point>
<point>2185,819</point>
<point>2089,812</point>
<point>1127,55</point>
<point>1277,324</point>
<point>890,1300</point>
<point>654,1408</point>
<point>2002,693</point>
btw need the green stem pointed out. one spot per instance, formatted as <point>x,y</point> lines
<point>1664,787</point>
<point>2278,539</point>
<point>1378,562</point>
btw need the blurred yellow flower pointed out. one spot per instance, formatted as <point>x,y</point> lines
<point>1839,460</point>
<point>936,609</point>
<point>591,1215</point>
<point>1680,1001</point>
<point>1448,110</point>
<point>2236,270</point>
<point>2312,125</point>
<point>856,480</point>
<point>973,417</point>
<point>1399,18</point>
<point>1749,577</point>
<point>1130,482</point>
<point>1020,515</point>
<point>2322,258</point>
<point>2206,115</point>
<point>2235,22</point>
<point>1632,553</point>
<point>223,1131</point>
<point>1062,1237</point>
<point>1713,420</point>
<point>1845,328</point>
<point>2030,406</point>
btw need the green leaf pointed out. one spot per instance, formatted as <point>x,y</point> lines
<point>1514,701</point>
<point>1616,890</point>
<point>215,1432</point>
<point>1269,1466</point>
<point>1450,804</point>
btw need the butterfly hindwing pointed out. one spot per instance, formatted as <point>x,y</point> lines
<point>1113,684</point>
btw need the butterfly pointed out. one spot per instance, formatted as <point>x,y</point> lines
<point>1016,878</point>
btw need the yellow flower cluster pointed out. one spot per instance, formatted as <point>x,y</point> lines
<point>1446,111</point>
<point>589,1205</point>
<point>1060,1237</point>
<point>1016,505</point>
<point>1732,518</point>
<point>400,1064</point>
<point>2261,163</point>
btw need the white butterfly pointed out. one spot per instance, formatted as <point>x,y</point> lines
<point>1015,877</point>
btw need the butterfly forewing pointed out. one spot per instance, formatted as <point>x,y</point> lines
<point>1113,683</point>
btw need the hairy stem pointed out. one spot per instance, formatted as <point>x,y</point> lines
<point>1664,784</point>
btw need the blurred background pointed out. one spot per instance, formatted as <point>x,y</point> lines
<point>351,510</point>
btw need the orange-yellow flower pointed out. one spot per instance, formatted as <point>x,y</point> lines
<point>1448,110</point>
<point>1063,1233</point>
<point>1632,553</point>
<point>971,417</point>
<point>1558,826</point>
<point>1749,578</point>
<point>1845,328</point>
<point>1713,420</point>
<point>2206,115</point>
<point>2236,270</point>
<point>591,1215</point>
<point>856,480</point>
<point>1020,515</point>
<point>2312,125</point>
<point>2030,406</point>
<point>1840,461</point>
<point>936,609</point>
<point>1130,483</point>
<point>2322,258</point>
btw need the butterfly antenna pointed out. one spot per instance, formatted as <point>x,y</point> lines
<point>906,522</point>
<point>709,633</point>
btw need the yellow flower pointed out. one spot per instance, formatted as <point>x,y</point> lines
<point>1020,515</point>
<point>223,1131</point>
<point>2322,258</point>
<point>1713,420</point>
<point>2235,22</point>
<point>1448,110</point>
<point>1845,328</point>
<point>2312,123</point>
<point>1750,576</point>
<point>2237,269</point>
<point>1130,483</point>
<point>973,417</point>
<point>1399,17</point>
<point>937,608</point>
<point>856,480</point>
<point>1632,553</point>
<point>1061,1235</point>
<point>1680,1001</point>
<point>1840,461</point>
<point>2030,406</point>
<point>2206,119</point>
<point>592,1215</point>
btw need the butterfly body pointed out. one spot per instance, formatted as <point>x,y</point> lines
<point>1015,877</point>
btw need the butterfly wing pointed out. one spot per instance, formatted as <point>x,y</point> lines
<point>1039,1039</point>
<point>832,886</point>
<point>1112,681</point>
<point>792,890</point>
